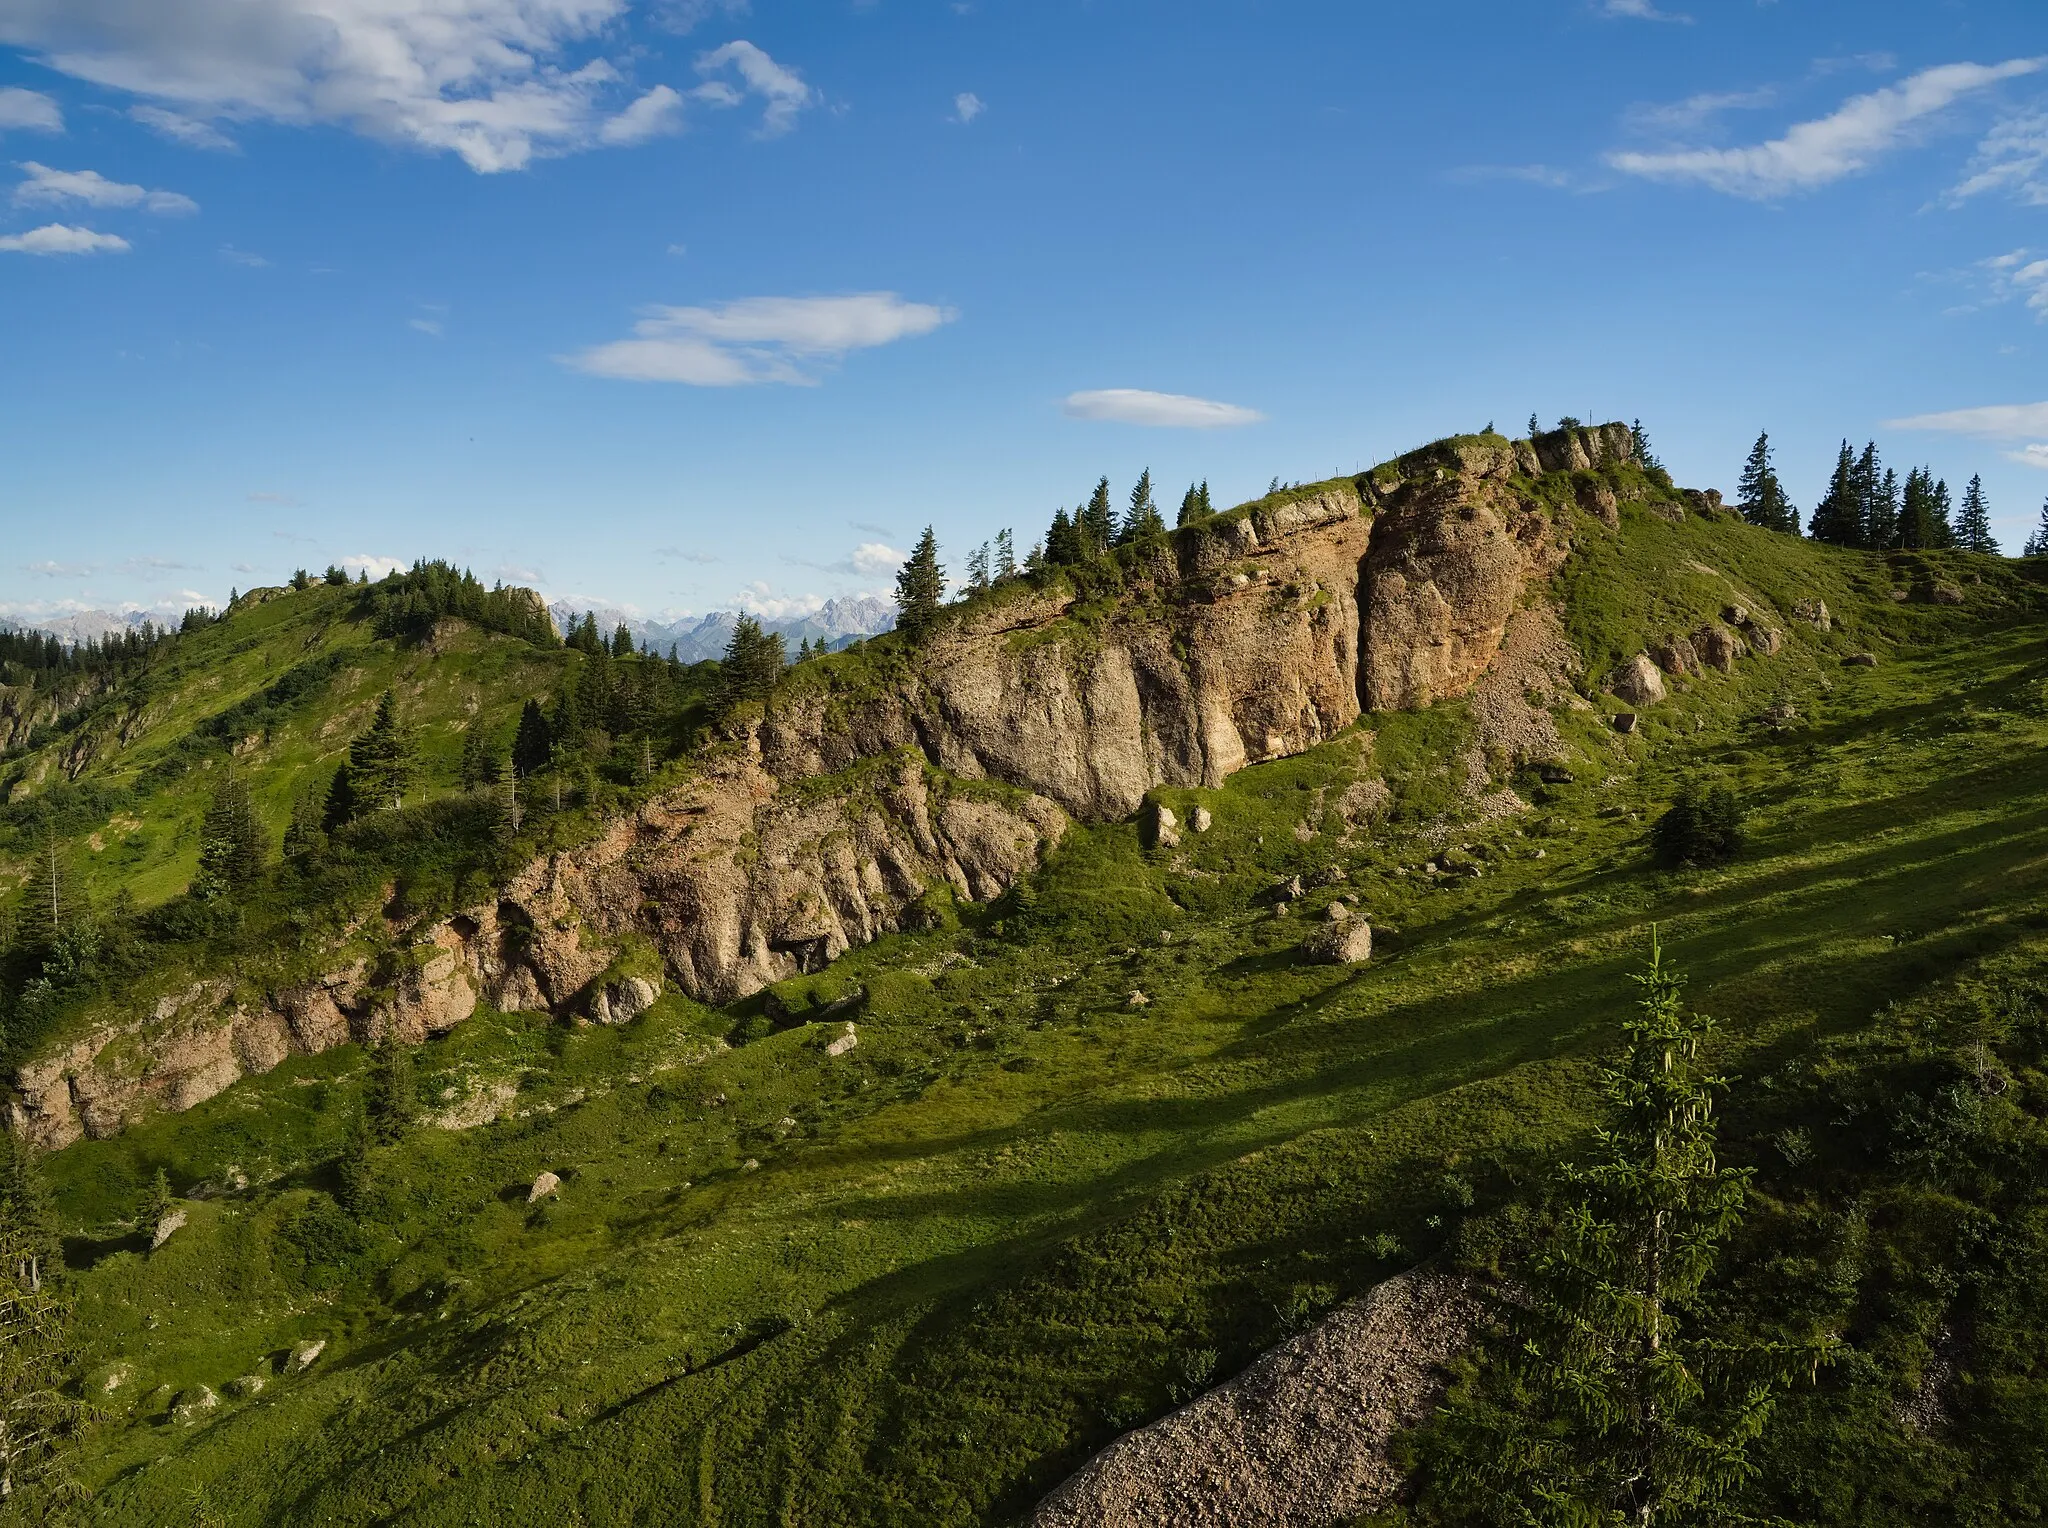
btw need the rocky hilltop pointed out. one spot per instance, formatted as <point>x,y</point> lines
<point>820,824</point>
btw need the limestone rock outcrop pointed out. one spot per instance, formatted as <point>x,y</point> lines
<point>1637,682</point>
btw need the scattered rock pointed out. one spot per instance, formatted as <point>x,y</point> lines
<point>165,1227</point>
<point>751,1165</point>
<point>1289,890</point>
<point>1165,827</point>
<point>1345,942</point>
<point>245,1387</point>
<point>1201,820</point>
<point>1762,639</point>
<point>1946,594</point>
<point>1735,615</point>
<point>1781,712</point>
<point>1332,875</point>
<point>1625,722</point>
<point>1299,1440</point>
<point>1815,613</point>
<point>1598,500</point>
<point>1899,596</point>
<point>1676,655</point>
<point>623,1001</point>
<point>1336,912</point>
<point>1554,773</point>
<point>546,1184</point>
<point>1860,660</point>
<point>1137,1000</point>
<point>1535,854</point>
<point>193,1405</point>
<point>1637,681</point>
<point>844,1042</point>
<point>1717,646</point>
<point>304,1354</point>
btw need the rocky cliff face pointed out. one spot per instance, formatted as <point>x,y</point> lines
<point>1252,636</point>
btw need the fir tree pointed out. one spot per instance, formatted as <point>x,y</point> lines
<point>752,666</point>
<point>1189,508</point>
<point>1097,521</point>
<point>381,764</point>
<point>1639,445</point>
<point>479,765</point>
<point>533,745</point>
<point>1761,498</point>
<point>1006,555</point>
<point>231,847</point>
<point>388,1099</point>
<point>156,1205</point>
<point>1881,520</point>
<point>1143,522</point>
<point>1535,427</point>
<point>38,1416</point>
<point>1600,1406</point>
<point>355,1168</point>
<point>303,836</point>
<point>1063,545</point>
<point>1973,520</point>
<point>921,588</point>
<point>25,1203</point>
<point>2037,544</point>
<point>622,642</point>
<point>1941,531</point>
<point>977,568</point>
<point>1838,517</point>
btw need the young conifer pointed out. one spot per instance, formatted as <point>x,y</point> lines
<point>534,743</point>
<point>1838,517</point>
<point>1973,520</point>
<point>1143,522</point>
<point>231,847</point>
<point>1006,555</point>
<point>1761,498</point>
<point>921,588</point>
<point>1097,521</point>
<point>2037,544</point>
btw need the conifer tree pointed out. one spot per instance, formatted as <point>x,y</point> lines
<point>622,642</point>
<point>1143,522</point>
<point>1535,427</point>
<point>388,1095</point>
<point>508,808</point>
<point>1097,522</point>
<point>534,743</point>
<point>2037,544</point>
<point>1600,1405</point>
<point>230,843</point>
<point>1865,480</point>
<point>1942,531</point>
<point>157,1204</point>
<point>1189,513</point>
<point>38,1416</point>
<point>303,836</point>
<point>977,568</point>
<point>381,768</point>
<point>753,664</point>
<point>1006,555</point>
<point>1760,497</point>
<point>1838,518</point>
<point>479,765</point>
<point>1063,545</point>
<point>1973,520</point>
<point>1881,522</point>
<point>921,588</point>
<point>26,1203</point>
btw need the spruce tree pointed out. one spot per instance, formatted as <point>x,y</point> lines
<point>1143,522</point>
<point>1973,520</point>
<point>1599,1404</point>
<point>622,642</point>
<point>1189,510</point>
<point>1881,522</point>
<point>1063,546</point>
<point>977,568</point>
<point>752,666</point>
<point>1838,517</point>
<point>2037,544</point>
<point>1535,427</point>
<point>479,765</point>
<point>1097,521</point>
<point>921,588</point>
<point>534,743</point>
<point>38,1416</point>
<point>157,1204</point>
<point>506,805</point>
<point>1006,555</point>
<point>381,763</point>
<point>1202,501</point>
<point>388,1095</point>
<point>1866,481</point>
<point>1941,532</point>
<point>231,846</point>
<point>1639,445</point>
<point>1760,497</point>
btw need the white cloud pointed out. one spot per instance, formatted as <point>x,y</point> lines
<point>967,106</point>
<point>2035,455</point>
<point>62,239</point>
<point>757,339</point>
<point>30,109</point>
<point>234,256</point>
<point>2012,158</point>
<point>376,567</point>
<point>496,82</point>
<point>47,186</point>
<point>189,131</point>
<point>687,15</point>
<point>1814,154</point>
<point>873,557</point>
<point>1696,111</point>
<point>426,325</point>
<point>1641,10</point>
<point>60,569</point>
<point>758,600</point>
<point>1531,174</point>
<point>2021,274</point>
<point>655,115</point>
<point>2006,421</point>
<point>783,89</point>
<point>1172,411</point>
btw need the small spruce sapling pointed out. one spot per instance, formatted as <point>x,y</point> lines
<point>2037,544</point>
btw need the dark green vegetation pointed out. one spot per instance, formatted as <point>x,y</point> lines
<point>921,1280</point>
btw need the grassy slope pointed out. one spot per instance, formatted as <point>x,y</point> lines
<point>134,825</point>
<point>1022,1214</point>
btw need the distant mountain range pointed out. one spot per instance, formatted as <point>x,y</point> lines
<point>836,623</point>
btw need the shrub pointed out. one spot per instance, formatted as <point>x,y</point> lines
<point>1703,827</point>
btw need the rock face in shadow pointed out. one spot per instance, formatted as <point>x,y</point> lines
<point>1299,1440</point>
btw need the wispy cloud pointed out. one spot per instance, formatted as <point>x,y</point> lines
<point>189,131</point>
<point>234,256</point>
<point>376,567</point>
<point>685,554</point>
<point>1171,411</point>
<point>1641,10</point>
<point>1817,153</point>
<point>2001,421</point>
<point>2021,274</point>
<point>759,599</point>
<point>783,89</point>
<point>1695,111</point>
<point>687,15</point>
<point>62,239</point>
<point>1529,174</point>
<point>47,187</point>
<point>61,569</point>
<point>967,106</point>
<point>2030,456</point>
<point>29,109</point>
<point>2013,158</point>
<point>654,115</point>
<point>758,339</point>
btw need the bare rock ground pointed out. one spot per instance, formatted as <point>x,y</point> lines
<point>1299,1440</point>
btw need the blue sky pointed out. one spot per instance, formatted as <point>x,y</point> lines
<point>680,304</point>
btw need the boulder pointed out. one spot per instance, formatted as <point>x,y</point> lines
<point>1815,613</point>
<point>193,1405</point>
<point>844,1042</point>
<point>1625,722</point>
<point>547,1183</point>
<point>1762,640</point>
<point>1342,942</point>
<point>165,1228</point>
<point>304,1354</point>
<point>1164,829</point>
<point>1138,1000</point>
<point>1676,655</point>
<point>1289,890</point>
<point>245,1387</point>
<point>621,1001</point>
<point>1860,660</point>
<point>1946,594</point>
<point>1637,681</point>
<point>1717,646</point>
<point>1201,821</point>
<point>1735,615</point>
<point>1598,500</point>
